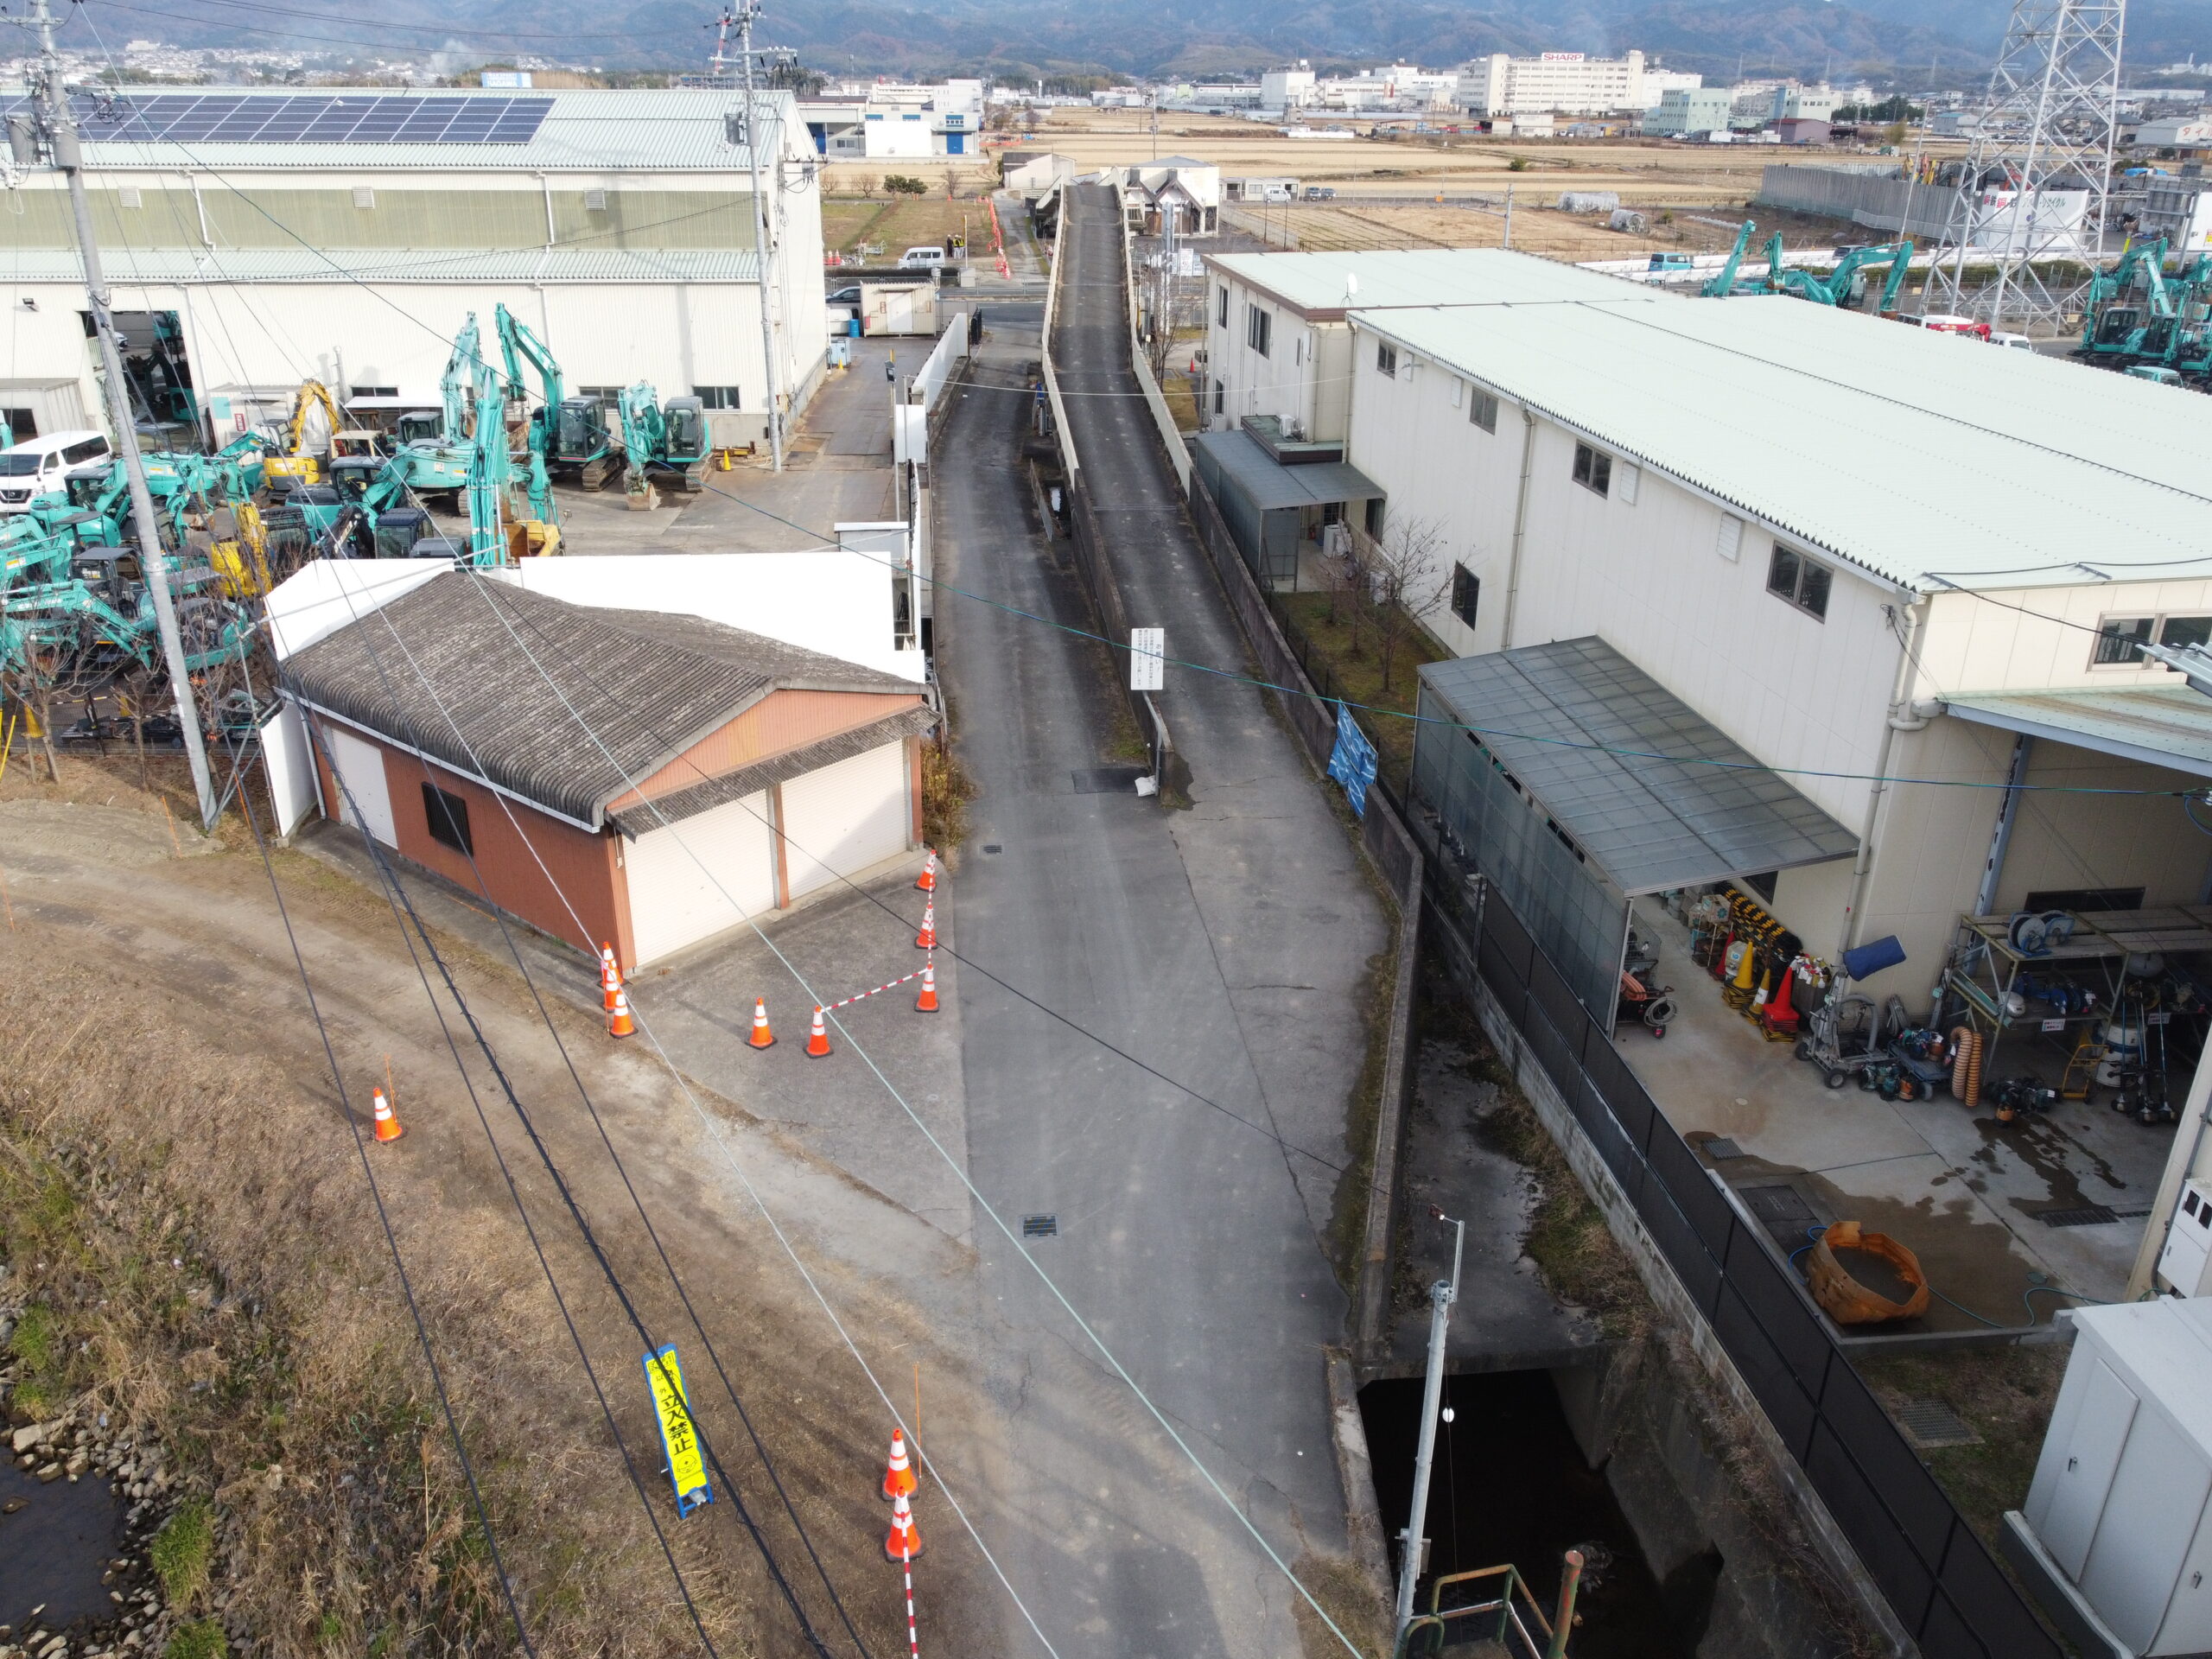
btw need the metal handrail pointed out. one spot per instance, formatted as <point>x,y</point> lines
<point>1438,1617</point>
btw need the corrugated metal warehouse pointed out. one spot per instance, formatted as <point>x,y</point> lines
<point>254,239</point>
<point>724,774</point>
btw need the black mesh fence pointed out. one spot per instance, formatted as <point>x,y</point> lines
<point>1939,1578</point>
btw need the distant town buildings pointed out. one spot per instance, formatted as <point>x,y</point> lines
<point>1564,83</point>
<point>856,120</point>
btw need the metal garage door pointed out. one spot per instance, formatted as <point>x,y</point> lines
<point>360,765</point>
<point>841,819</point>
<point>50,406</point>
<point>722,870</point>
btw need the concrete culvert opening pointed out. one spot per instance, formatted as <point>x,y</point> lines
<point>1510,1485</point>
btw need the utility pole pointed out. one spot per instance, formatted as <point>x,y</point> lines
<point>763,243</point>
<point>68,156</point>
<point>1441,1295</point>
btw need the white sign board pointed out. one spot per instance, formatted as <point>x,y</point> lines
<point>1147,659</point>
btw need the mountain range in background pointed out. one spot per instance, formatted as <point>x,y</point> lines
<point>1889,42</point>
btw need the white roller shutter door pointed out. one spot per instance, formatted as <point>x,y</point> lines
<point>841,819</point>
<point>722,870</point>
<point>361,771</point>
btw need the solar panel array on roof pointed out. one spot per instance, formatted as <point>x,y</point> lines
<point>235,118</point>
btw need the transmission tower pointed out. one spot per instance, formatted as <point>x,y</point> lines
<point>2034,188</point>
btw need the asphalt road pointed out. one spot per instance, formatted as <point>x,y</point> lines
<point>1222,946</point>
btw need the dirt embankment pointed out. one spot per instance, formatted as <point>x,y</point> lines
<point>182,1199</point>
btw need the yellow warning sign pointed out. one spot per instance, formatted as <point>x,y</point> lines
<point>687,1468</point>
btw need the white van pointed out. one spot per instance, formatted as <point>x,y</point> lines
<point>37,465</point>
<point>918,258</point>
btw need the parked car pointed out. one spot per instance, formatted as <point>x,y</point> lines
<point>1321,193</point>
<point>921,258</point>
<point>37,465</point>
<point>848,294</point>
<point>2017,342</point>
<point>1672,262</point>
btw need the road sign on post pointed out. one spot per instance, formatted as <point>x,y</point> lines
<point>1147,659</point>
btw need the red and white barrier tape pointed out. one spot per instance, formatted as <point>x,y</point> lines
<point>913,1641</point>
<point>829,1008</point>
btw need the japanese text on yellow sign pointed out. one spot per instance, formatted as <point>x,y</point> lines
<point>687,1469</point>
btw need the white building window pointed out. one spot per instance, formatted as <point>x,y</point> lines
<point>1386,359</point>
<point>1482,409</point>
<point>1593,468</point>
<point>1221,311</point>
<point>1259,326</point>
<point>1803,581</point>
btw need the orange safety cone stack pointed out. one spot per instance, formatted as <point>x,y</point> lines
<point>610,976</point>
<point>387,1122</point>
<point>899,1482</point>
<point>926,939</point>
<point>926,1003</point>
<point>817,1040</point>
<point>904,1543</point>
<point>927,880</point>
<point>762,1037</point>
<point>619,1022</point>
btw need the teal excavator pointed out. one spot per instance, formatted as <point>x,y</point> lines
<point>1846,286</point>
<point>667,442</point>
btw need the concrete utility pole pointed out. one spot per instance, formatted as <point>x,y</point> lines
<point>68,156</point>
<point>1441,1295</point>
<point>763,243</point>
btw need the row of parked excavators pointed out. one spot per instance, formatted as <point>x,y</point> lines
<point>236,522</point>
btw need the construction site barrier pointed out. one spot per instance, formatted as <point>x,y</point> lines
<point>1742,1305</point>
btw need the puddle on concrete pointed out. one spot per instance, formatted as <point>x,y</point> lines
<point>1511,1486</point>
<point>55,1547</point>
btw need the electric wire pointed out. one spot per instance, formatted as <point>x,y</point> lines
<point>706,1444</point>
<point>760,1203</point>
<point>390,1236</point>
<point>484,589</point>
<point>387,882</point>
<point>519,390</point>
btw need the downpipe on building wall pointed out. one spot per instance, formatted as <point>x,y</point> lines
<point>1520,523</point>
<point>1903,717</point>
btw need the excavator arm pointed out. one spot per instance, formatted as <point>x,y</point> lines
<point>462,367</point>
<point>518,344</point>
<point>489,468</point>
<point>1722,283</point>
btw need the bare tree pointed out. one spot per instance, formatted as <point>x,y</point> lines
<point>866,184</point>
<point>951,183</point>
<point>1402,582</point>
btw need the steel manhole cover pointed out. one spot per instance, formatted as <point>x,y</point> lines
<point>2092,1215</point>
<point>1041,1226</point>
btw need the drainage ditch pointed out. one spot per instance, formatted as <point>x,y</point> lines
<point>1511,1485</point>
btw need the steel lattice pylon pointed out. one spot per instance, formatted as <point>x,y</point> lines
<point>2035,181</point>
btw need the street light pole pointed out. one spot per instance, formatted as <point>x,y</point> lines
<point>763,237</point>
<point>68,156</point>
<point>1441,1295</point>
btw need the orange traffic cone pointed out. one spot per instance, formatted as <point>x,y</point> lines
<point>817,1040</point>
<point>926,939</point>
<point>927,881</point>
<point>619,1022</point>
<point>904,1541</point>
<point>926,1003</point>
<point>898,1481</point>
<point>762,1037</point>
<point>387,1122</point>
<point>610,976</point>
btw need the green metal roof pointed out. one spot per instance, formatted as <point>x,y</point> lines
<point>2162,725</point>
<point>1314,282</point>
<point>226,266</point>
<point>1929,461</point>
<point>595,131</point>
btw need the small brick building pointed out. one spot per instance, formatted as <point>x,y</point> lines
<point>633,776</point>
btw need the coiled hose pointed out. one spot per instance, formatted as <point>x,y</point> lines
<point>1966,1065</point>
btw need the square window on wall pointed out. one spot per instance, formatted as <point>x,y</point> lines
<point>2182,631</point>
<point>1802,580</point>
<point>1593,468</point>
<point>2117,640</point>
<point>717,396</point>
<point>1386,359</point>
<point>1466,594</point>
<point>1482,409</point>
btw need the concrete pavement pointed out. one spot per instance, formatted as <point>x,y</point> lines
<point>1224,948</point>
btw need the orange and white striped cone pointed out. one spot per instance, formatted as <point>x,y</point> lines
<point>926,939</point>
<point>619,1022</point>
<point>904,1541</point>
<point>926,1003</point>
<point>899,1480</point>
<point>610,976</point>
<point>387,1120</point>
<point>927,880</point>
<point>762,1037</point>
<point>818,1040</point>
